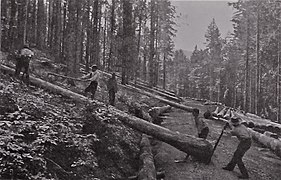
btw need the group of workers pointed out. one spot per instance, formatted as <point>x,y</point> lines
<point>24,56</point>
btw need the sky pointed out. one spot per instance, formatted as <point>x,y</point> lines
<point>195,16</point>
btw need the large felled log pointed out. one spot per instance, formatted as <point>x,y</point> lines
<point>171,103</point>
<point>52,87</point>
<point>196,147</point>
<point>66,77</point>
<point>147,167</point>
<point>267,141</point>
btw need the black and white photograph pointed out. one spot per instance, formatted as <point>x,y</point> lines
<point>140,89</point>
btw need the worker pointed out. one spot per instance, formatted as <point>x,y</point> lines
<point>93,76</point>
<point>245,138</point>
<point>112,89</point>
<point>23,58</point>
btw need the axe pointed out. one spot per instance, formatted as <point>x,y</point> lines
<point>217,142</point>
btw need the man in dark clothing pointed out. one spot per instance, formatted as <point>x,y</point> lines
<point>112,89</point>
<point>23,58</point>
<point>245,138</point>
<point>94,78</point>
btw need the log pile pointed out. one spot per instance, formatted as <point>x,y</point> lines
<point>261,127</point>
<point>157,112</point>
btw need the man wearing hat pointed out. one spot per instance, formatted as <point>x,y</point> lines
<point>245,138</point>
<point>94,78</point>
<point>22,62</point>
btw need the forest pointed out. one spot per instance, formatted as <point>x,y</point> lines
<point>135,38</point>
<point>50,129</point>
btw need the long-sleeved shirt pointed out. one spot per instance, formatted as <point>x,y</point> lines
<point>241,132</point>
<point>112,85</point>
<point>92,76</point>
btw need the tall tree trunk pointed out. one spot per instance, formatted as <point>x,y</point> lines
<point>111,36</point>
<point>164,70</point>
<point>64,24</point>
<point>41,25</point>
<point>151,63</point>
<point>258,82</point>
<point>278,85</point>
<point>0,27</point>
<point>71,39</point>
<point>247,69</point>
<point>96,33</point>
<point>12,29</point>
<point>20,24</point>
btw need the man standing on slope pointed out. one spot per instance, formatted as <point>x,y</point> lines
<point>245,138</point>
<point>94,78</point>
<point>112,89</point>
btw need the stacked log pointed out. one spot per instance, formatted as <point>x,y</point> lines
<point>226,115</point>
<point>156,113</point>
<point>222,113</point>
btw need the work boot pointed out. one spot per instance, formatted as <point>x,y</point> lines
<point>227,168</point>
<point>243,177</point>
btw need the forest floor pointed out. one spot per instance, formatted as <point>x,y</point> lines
<point>261,163</point>
<point>66,140</point>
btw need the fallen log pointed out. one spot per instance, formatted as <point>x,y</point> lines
<point>267,141</point>
<point>147,168</point>
<point>196,147</point>
<point>156,113</point>
<point>151,90</point>
<point>66,77</point>
<point>222,112</point>
<point>227,114</point>
<point>171,103</point>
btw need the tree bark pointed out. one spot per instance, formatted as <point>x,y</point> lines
<point>147,167</point>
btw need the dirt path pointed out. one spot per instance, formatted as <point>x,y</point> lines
<point>260,162</point>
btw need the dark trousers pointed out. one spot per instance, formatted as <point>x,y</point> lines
<point>111,94</point>
<point>243,146</point>
<point>92,88</point>
<point>22,63</point>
